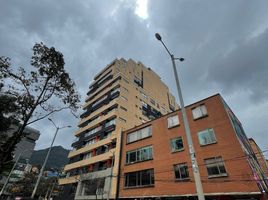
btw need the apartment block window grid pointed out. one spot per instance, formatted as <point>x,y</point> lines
<point>206,137</point>
<point>215,167</point>
<point>199,112</point>
<point>139,178</point>
<point>173,121</point>
<point>138,155</point>
<point>140,134</point>
<point>176,144</point>
<point>181,171</point>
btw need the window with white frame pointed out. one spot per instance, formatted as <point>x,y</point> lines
<point>141,154</point>
<point>206,136</point>
<point>173,121</point>
<point>139,134</point>
<point>181,171</point>
<point>199,112</point>
<point>176,144</point>
<point>215,167</point>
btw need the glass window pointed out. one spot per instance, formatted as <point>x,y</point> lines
<point>206,137</point>
<point>110,122</point>
<point>181,171</point>
<point>87,155</point>
<point>140,134</point>
<point>177,144</point>
<point>152,101</point>
<point>124,98</point>
<point>200,111</point>
<point>141,154</point>
<point>173,121</point>
<point>123,108</point>
<point>139,178</point>
<point>215,167</point>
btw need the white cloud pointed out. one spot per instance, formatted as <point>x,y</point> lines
<point>141,9</point>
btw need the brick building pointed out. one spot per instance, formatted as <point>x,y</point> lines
<point>155,161</point>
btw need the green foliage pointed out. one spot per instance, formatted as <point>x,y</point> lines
<point>25,186</point>
<point>34,91</point>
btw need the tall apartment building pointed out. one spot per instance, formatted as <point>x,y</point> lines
<point>123,95</point>
<point>156,162</point>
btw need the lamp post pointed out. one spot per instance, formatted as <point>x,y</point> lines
<point>198,183</point>
<point>44,164</point>
<point>10,173</point>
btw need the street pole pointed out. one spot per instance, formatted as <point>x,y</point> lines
<point>198,183</point>
<point>45,162</point>
<point>9,175</point>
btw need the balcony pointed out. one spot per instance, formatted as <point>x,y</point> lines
<point>91,147</point>
<point>100,93</point>
<point>68,180</point>
<point>105,85</point>
<point>97,112</point>
<point>106,99</point>
<point>95,122</point>
<point>89,161</point>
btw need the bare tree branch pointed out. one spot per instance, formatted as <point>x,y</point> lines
<point>56,110</point>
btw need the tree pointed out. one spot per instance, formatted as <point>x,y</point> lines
<point>35,91</point>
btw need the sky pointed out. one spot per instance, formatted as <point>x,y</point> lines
<point>224,43</point>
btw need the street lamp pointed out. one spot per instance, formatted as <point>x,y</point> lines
<point>44,164</point>
<point>10,173</point>
<point>198,183</point>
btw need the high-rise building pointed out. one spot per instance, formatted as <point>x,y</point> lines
<point>123,95</point>
<point>157,165</point>
<point>23,152</point>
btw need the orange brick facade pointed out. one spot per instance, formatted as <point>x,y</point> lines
<point>239,182</point>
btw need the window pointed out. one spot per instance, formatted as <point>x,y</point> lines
<point>124,98</point>
<point>123,108</point>
<point>199,112</point>
<point>115,90</point>
<point>206,137</point>
<point>92,131</point>
<point>125,89</point>
<point>181,171</point>
<point>177,144</point>
<point>173,121</point>
<point>140,154</point>
<point>140,134</point>
<point>122,120</point>
<point>144,104</point>
<point>110,123</point>
<point>99,101</point>
<point>163,109</point>
<point>89,142</point>
<point>107,134</point>
<point>215,167</point>
<point>143,95</point>
<point>152,101</point>
<point>140,178</point>
<point>87,155</point>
